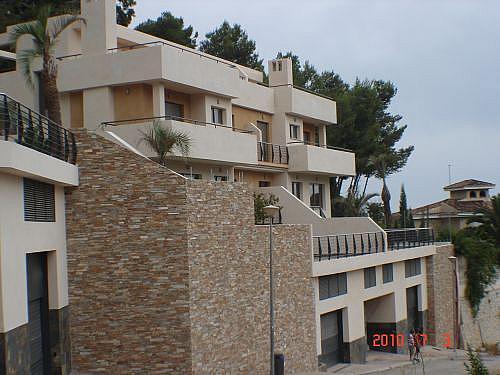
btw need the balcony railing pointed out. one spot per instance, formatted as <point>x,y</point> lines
<point>348,245</point>
<point>175,118</point>
<point>407,238</point>
<point>21,124</point>
<point>272,153</point>
<point>319,145</point>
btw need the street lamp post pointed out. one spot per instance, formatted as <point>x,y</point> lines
<point>271,211</point>
<point>454,260</point>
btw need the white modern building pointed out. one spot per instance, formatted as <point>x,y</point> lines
<point>117,82</point>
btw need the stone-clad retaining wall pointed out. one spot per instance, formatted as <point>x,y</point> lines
<point>127,263</point>
<point>171,276</point>
<point>441,296</point>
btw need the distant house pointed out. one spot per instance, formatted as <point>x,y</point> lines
<point>466,198</point>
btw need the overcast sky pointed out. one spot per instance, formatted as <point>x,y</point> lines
<point>443,55</point>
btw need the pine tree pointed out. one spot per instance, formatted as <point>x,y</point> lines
<point>403,209</point>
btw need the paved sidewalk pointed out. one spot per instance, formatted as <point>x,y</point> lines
<point>436,361</point>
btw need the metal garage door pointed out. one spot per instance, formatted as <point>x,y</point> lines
<point>38,312</point>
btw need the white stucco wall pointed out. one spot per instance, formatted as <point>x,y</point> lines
<point>17,238</point>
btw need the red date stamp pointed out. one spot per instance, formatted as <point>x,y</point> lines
<point>399,339</point>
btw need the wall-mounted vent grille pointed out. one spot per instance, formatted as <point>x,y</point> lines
<point>39,201</point>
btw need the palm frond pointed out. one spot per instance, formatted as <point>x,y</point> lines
<point>33,29</point>
<point>25,59</point>
<point>60,23</point>
<point>165,140</point>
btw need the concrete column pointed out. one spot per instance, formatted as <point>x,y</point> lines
<point>353,320</point>
<point>98,106</point>
<point>158,100</point>
<point>99,31</point>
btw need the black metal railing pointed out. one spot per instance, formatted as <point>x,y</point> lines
<point>407,238</point>
<point>272,153</point>
<point>139,120</point>
<point>347,245</point>
<point>319,210</point>
<point>21,124</point>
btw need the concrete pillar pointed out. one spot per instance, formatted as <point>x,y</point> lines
<point>158,100</point>
<point>98,106</point>
<point>99,31</point>
<point>353,320</point>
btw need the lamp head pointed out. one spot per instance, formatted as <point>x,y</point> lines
<point>271,210</point>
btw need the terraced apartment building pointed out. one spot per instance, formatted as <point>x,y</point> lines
<point>166,268</point>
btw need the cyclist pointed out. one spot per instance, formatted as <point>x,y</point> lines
<point>411,344</point>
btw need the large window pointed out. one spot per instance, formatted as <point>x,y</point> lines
<point>332,285</point>
<point>294,131</point>
<point>217,115</point>
<point>39,201</point>
<point>264,183</point>
<point>370,277</point>
<point>297,189</point>
<point>192,176</point>
<point>412,267</point>
<point>174,109</point>
<point>316,195</point>
<point>387,273</point>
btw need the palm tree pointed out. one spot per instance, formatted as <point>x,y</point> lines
<point>44,34</point>
<point>164,141</point>
<point>490,219</point>
<point>357,205</point>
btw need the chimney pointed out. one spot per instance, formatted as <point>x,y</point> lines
<point>280,72</point>
<point>99,32</point>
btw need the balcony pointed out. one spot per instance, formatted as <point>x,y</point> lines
<point>31,145</point>
<point>306,158</point>
<point>28,128</point>
<point>209,141</point>
<point>151,61</point>
<point>301,102</point>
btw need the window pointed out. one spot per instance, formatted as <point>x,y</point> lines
<point>274,66</point>
<point>482,193</point>
<point>294,131</point>
<point>316,195</point>
<point>174,109</point>
<point>387,273</point>
<point>264,184</point>
<point>217,115</point>
<point>192,176</point>
<point>316,136</point>
<point>473,194</point>
<point>220,178</point>
<point>370,277</point>
<point>264,130</point>
<point>332,285</point>
<point>307,137</point>
<point>280,64</point>
<point>39,201</point>
<point>297,189</point>
<point>412,267</point>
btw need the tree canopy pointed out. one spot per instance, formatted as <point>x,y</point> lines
<point>232,43</point>
<point>171,28</point>
<point>17,11</point>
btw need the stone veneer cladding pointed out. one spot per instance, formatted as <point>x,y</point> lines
<point>440,296</point>
<point>171,276</point>
<point>14,351</point>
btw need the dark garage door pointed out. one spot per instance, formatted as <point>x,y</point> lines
<point>38,312</point>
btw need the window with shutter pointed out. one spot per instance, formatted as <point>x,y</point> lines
<point>39,201</point>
